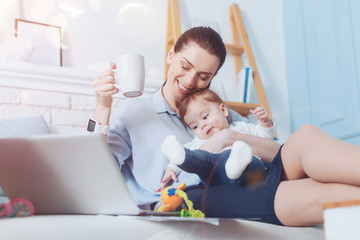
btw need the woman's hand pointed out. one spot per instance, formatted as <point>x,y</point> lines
<point>104,89</point>
<point>220,140</point>
<point>168,176</point>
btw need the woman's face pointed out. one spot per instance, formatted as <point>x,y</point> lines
<point>191,68</point>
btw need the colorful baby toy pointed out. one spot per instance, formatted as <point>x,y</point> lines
<point>176,200</point>
<point>17,207</point>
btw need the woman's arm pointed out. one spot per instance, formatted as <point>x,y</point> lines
<point>104,89</point>
<point>254,129</point>
<point>264,148</point>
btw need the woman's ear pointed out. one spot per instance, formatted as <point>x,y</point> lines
<point>224,109</point>
<point>170,55</point>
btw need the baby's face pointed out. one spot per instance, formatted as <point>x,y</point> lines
<point>206,118</point>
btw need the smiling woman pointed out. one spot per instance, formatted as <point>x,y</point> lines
<point>138,126</point>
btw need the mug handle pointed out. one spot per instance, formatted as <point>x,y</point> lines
<point>114,72</point>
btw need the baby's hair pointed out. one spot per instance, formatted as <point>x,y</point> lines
<point>206,94</point>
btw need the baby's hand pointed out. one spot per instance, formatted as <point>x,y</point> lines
<point>168,176</point>
<point>262,116</point>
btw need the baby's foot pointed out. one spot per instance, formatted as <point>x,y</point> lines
<point>240,157</point>
<point>173,150</point>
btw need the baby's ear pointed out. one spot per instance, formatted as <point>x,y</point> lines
<point>224,109</point>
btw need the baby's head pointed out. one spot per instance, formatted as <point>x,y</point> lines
<point>205,113</point>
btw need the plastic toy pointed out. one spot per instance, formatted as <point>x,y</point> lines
<point>17,207</point>
<point>176,200</point>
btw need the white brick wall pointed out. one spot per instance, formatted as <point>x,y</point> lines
<point>71,117</point>
<point>57,108</point>
<point>10,96</point>
<point>65,97</point>
<point>45,99</point>
<point>18,110</point>
<point>81,102</point>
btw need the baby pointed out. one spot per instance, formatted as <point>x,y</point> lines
<point>206,114</point>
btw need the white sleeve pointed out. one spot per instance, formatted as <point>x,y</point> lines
<point>174,167</point>
<point>194,144</point>
<point>254,129</point>
<point>266,132</point>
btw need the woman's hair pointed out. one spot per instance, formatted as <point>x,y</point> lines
<point>206,38</point>
<point>207,94</point>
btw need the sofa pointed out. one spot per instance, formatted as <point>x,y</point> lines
<point>129,227</point>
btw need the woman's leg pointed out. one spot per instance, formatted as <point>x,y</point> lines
<point>299,202</point>
<point>310,152</point>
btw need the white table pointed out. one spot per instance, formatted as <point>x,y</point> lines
<point>126,227</point>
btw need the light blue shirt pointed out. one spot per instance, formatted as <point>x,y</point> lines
<point>138,127</point>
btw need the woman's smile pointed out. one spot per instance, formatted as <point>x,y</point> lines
<point>182,88</point>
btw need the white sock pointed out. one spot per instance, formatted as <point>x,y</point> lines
<point>173,150</point>
<point>240,156</point>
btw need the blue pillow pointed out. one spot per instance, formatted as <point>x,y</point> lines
<point>21,127</point>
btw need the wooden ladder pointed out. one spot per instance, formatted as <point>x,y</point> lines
<point>173,32</point>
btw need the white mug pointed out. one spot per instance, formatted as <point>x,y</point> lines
<point>130,74</point>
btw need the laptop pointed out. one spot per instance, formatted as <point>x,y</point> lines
<point>66,174</point>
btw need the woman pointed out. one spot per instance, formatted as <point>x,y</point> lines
<point>311,168</point>
<point>138,126</point>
